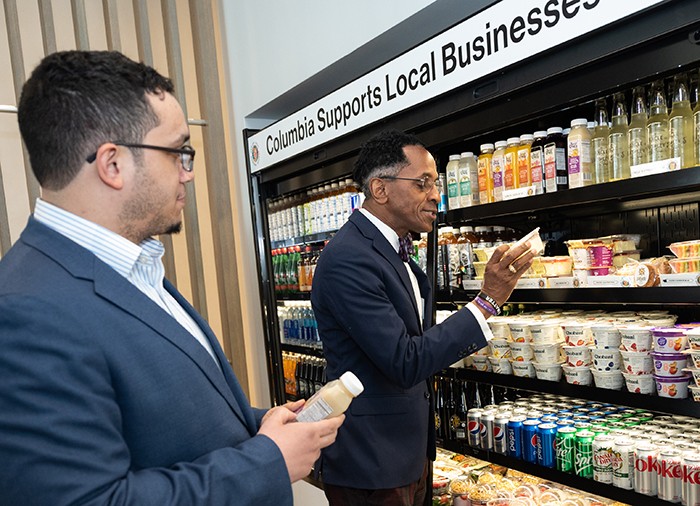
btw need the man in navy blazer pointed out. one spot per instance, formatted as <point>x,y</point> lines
<point>374,318</point>
<point>113,390</point>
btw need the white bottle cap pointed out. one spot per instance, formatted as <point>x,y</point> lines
<point>454,157</point>
<point>352,383</point>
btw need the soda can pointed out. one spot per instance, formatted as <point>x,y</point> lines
<point>582,411</point>
<point>583,454</point>
<point>631,421</point>
<point>520,410</point>
<point>534,414</point>
<point>486,429</point>
<point>614,417</point>
<point>500,428</point>
<point>598,429</point>
<point>529,440</point>
<point>546,436</point>
<point>690,471</point>
<point>549,419</point>
<point>616,425</point>
<point>490,407</point>
<point>595,405</point>
<point>474,427</point>
<point>565,413</point>
<point>645,416</point>
<point>582,425</point>
<point>602,458</point>
<point>565,442</point>
<point>626,413</point>
<point>580,418</point>
<point>506,404</point>
<point>670,474</point>
<point>596,415</point>
<point>645,475</point>
<point>623,463</point>
<point>514,436</point>
<point>562,422</point>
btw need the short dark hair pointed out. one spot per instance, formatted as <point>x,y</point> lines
<point>74,101</point>
<point>382,154</point>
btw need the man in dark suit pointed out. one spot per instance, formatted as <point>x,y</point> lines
<point>374,318</point>
<point>113,390</point>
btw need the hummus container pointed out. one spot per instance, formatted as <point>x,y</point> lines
<point>669,340</point>
<point>500,365</point>
<point>640,383</point>
<point>548,372</point>
<point>499,348</point>
<point>635,338</point>
<point>611,380</point>
<point>524,369</point>
<point>520,352</point>
<point>669,364</point>
<point>606,336</point>
<point>481,363</point>
<point>578,356</point>
<point>519,330</point>
<point>546,353</point>
<point>637,362</point>
<point>577,334</point>
<point>686,249</point>
<point>577,375</point>
<point>695,373</point>
<point>557,266</point>
<point>546,332</point>
<point>605,359</point>
<point>673,387</point>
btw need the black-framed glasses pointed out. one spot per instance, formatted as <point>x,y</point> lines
<point>424,183</point>
<point>186,153</point>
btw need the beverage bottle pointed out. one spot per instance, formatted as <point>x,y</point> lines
<point>618,141</point>
<point>485,176</point>
<point>468,180</point>
<point>442,204</point>
<point>443,261</point>
<point>483,236</point>
<point>500,236</point>
<point>292,269</point>
<point>497,169</point>
<point>283,266</point>
<point>638,135</point>
<point>511,178</point>
<point>450,411</point>
<point>452,175</point>
<point>556,173</point>
<point>657,123</point>
<point>537,161</point>
<point>523,160</point>
<point>299,206</point>
<point>591,127</point>
<point>307,212</point>
<point>466,255</point>
<point>461,412</point>
<point>422,252</point>
<point>599,143</point>
<point>453,257</point>
<point>681,124</point>
<point>696,120</point>
<point>301,271</point>
<point>333,206</point>
<point>439,408</point>
<point>332,399</point>
<point>579,154</point>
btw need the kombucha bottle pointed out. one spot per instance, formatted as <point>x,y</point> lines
<point>638,137</point>
<point>657,124</point>
<point>599,143</point>
<point>579,154</point>
<point>681,124</point>
<point>618,141</point>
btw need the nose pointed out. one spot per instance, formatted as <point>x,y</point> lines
<point>434,194</point>
<point>185,177</point>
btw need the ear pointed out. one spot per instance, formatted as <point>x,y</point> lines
<point>377,188</point>
<point>108,165</point>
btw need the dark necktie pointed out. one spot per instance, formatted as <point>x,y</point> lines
<point>405,247</point>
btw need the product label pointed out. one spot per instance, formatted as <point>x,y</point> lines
<point>314,411</point>
<point>465,188</point>
<point>536,172</point>
<point>524,166</point>
<point>509,171</point>
<point>658,167</point>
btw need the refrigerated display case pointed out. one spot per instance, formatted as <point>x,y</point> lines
<point>543,90</point>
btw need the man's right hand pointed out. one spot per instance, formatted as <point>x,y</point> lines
<point>499,277</point>
<point>300,443</point>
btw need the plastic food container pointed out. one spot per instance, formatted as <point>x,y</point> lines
<point>686,249</point>
<point>499,348</point>
<point>620,259</point>
<point>611,380</point>
<point>579,254</point>
<point>669,364</point>
<point>600,255</point>
<point>557,266</point>
<point>499,327</point>
<point>695,373</point>
<point>637,362</point>
<point>548,372</point>
<point>577,334</point>
<point>523,369</point>
<point>545,332</point>
<point>669,340</point>
<point>682,265</point>
<point>635,338</point>
<point>577,375</point>
<point>606,359</point>
<point>520,352</point>
<point>546,353</point>
<point>520,330</point>
<point>694,357</point>
<point>500,365</point>
<point>536,244</point>
<point>606,336</point>
<point>640,383</point>
<point>578,356</point>
<point>484,254</point>
<point>673,387</point>
<point>695,391</point>
<point>600,271</point>
<point>481,363</point>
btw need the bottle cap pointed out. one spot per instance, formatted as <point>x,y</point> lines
<point>486,146</point>
<point>467,154</point>
<point>513,140</point>
<point>454,157</point>
<point>352,383</point>
<point>579,122</point>
<point>554,130</point>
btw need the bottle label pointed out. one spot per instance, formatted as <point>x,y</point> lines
<point>524,167</point>
<point>509,171</point>
<point>314,411</point>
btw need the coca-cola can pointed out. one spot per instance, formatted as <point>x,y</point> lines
<point>602,458</point>
<point>623,463</point>
<point>500,428</point>
<point>486,426</point>
<point>690,471</point>
<point>669,474</point>
<point>474,427</point>
<point>645,469</point>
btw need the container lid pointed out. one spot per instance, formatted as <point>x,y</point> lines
<point>352,383</point>
<point>554,130</point>
<point>513,140</point>
<point>527,137</point>
<point>454,157</point>
<point>467,154</point>
<point>579,122</point>
<point>486,146</point>
<point>541,133</point>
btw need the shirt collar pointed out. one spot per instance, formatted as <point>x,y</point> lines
<point>385,229</point>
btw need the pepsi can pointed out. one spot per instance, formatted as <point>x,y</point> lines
<point>561,422</point>
<point>534,414</point>
<point>474,427</point>
<point>500,429</point>
<point>546,453</point>
<point>549,419</point>
<point>529,440</point>
<point>514,436</point>
<point>486,429</point>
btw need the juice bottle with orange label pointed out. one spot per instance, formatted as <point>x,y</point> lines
<point>511,178</point>
<point>523,158</point>
<point>484,173</point>
<point>497,169</point>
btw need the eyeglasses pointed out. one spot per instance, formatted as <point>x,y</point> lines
<point>424,183</point>
<point>186,153</point>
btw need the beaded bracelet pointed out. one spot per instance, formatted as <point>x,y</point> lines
<point>491,301</point>
<point>485,305</point>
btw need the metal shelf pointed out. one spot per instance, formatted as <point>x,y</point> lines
<point>303,239</point>
<point>304,350</point>
<point>293,296</point>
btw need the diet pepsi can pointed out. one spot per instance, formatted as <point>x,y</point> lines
<point>546,436</point>
<point>690,471</point>
<point>645,475</point>
<point>669,474</point>
<point>486,429</point>
<point>500,429</point>
<point>529,440</point>
<point>623,463</point>
<point>515,436</point>
<point>474,427</point>
<point>602,458</point>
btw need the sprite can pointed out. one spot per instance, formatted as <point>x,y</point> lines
<point>583,453</point>
<point>564,447</point>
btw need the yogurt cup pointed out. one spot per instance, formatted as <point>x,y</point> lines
<point>611,380</point>
<point>577,356</point>
<point>500,365</point>
<point>520,330</point>
<point>577,375</point>
<point>481,363</point>
<point>695,391</point>
<point>546,331</point>
<point>520,352</point>
<point>499,348</point>
<point>499,327</point>
<point>669,364</point>
<point>673,387</point>
<point>669,340</point>
<point>637,362</point>
<point>600,255</point>
<point>635,338</point>
<point>577,334</point>
<point>695,373</point>
<point>605,335</point>
<point>524,369</point>
<point>693,336</point>
<point>605,359</point>
<point>548,372</point>
<point>640,383</point>
<point>694,357</point>
<point>546,353</point>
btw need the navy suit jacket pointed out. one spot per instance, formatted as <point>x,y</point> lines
<point>106,399</point>
<point>367,318</point>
